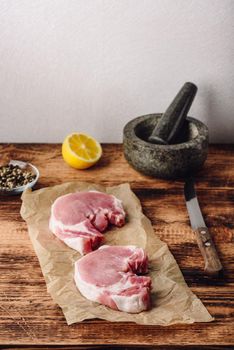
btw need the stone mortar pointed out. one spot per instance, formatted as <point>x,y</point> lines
<point>186,156</point>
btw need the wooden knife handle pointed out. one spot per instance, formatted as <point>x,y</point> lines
<point>208,250</point>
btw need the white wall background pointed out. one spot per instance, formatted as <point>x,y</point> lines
<point>92,65</point>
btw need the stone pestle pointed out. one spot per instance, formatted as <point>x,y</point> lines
<point>171,122</point>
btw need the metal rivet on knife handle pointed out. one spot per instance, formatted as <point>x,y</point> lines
<point>203,237</point>
<point>207,247</point>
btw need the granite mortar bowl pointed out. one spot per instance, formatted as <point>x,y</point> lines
<point>172,161</point>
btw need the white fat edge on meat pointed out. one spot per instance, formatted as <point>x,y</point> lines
<point>88,290</point>
<point>76,243</point>
<point>103,247</point>
<point>93,292</point>
<point>119,204</point>
<point>80,227</point>
<point>131,304</point>
<point>132,247</point>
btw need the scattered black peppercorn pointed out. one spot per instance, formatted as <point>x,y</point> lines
<point>12,176</point>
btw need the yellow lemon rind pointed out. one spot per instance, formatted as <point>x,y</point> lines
<point>73,159</point>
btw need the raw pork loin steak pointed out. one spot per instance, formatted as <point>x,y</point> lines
<point>79,218</point>
<point>109,276</point>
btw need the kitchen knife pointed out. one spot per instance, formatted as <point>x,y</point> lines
<point>203,237</point>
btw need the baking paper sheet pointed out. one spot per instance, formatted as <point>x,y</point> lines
<point>172,300</point>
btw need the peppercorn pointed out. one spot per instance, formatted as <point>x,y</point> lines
<point>12,176</point>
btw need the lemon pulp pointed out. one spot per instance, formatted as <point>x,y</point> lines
<point>81,151</point>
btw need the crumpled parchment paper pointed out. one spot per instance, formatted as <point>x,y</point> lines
<point>172,300</point>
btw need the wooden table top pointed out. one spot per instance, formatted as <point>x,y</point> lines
<point>28,316</point>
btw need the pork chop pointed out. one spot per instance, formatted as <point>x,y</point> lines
<point>109,276</point>
<point>79,218</point>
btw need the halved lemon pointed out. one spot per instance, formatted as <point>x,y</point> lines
<point>81,151</point>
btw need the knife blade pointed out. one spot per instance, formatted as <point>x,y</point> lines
<point>203,237</point>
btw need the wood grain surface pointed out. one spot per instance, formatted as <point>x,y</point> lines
<point>28,316</point>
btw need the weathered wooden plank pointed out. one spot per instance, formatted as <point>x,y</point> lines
<point>217,172</point>
<point>103,346</point>
<point>29,317</point>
